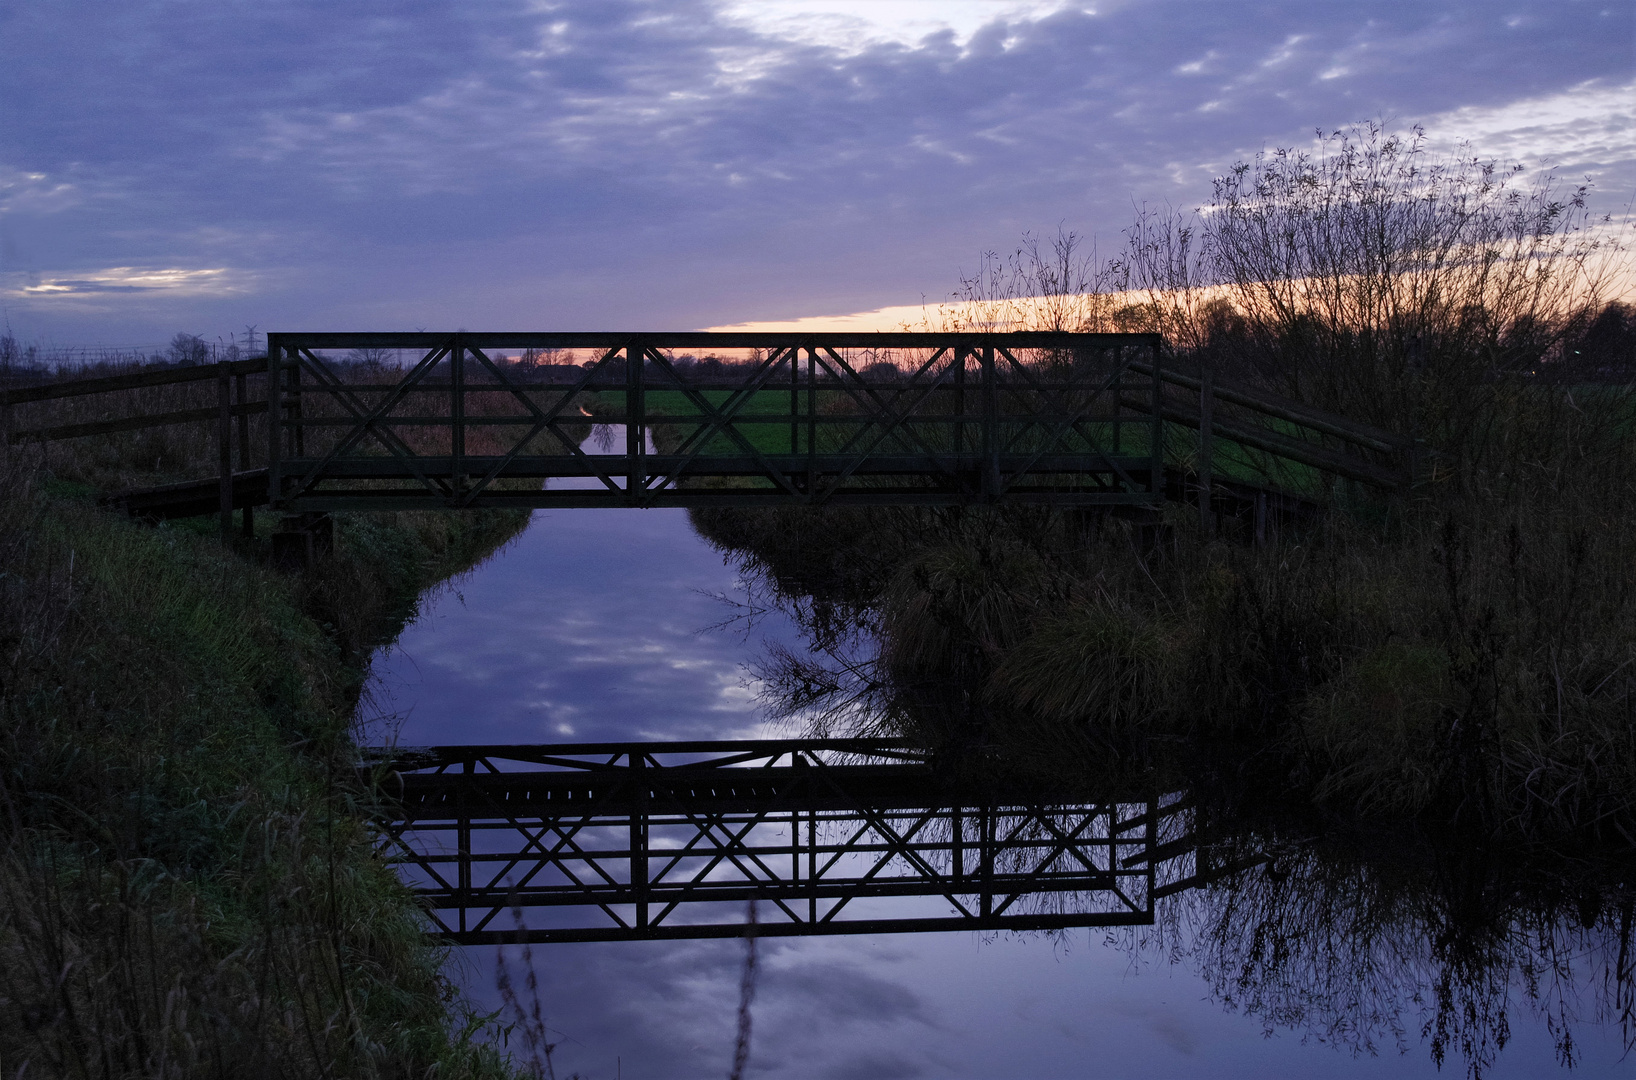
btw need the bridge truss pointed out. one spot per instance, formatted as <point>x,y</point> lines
<point>640,841</point>
<point>788,419</point>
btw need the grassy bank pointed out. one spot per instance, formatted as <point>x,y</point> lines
<point>1460,653</point>
<point>187,885</point>
<point>188,888</point>
<point>1465,653</point>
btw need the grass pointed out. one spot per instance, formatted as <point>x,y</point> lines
<point>1461,652</point>
<point>764,422</point>
<point>187,883</point>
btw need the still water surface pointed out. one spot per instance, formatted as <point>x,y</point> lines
<point>594,625</point>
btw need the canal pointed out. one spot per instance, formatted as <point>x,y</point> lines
<point>613,625</point>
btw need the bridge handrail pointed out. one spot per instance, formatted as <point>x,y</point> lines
<point>136,380</point>
<point>1304,453</point>
<point>1284,408</point>
<point>442,757</point>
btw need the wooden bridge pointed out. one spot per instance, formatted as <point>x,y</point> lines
<point>641,841</point>
<point>739,419</point>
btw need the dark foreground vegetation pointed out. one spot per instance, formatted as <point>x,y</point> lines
<point>1425,699</point>
<point>187,887</point>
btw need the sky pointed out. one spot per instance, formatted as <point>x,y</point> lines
<point>176,166</point>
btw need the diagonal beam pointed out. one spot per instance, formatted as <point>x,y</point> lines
<point>721,420</point>
<point>367,421</point>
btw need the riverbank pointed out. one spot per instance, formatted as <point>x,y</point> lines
<point>186,885</point>
<point>1456,665</point>
<point>1460,655</point>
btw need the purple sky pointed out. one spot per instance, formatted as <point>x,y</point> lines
<point>611,164</point>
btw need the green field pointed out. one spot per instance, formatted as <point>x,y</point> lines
<point>764,421</point>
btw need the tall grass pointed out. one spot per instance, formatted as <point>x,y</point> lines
<point>1463,652</point>
<point>187,886</point>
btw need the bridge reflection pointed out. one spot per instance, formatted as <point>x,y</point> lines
<point>636,841</point>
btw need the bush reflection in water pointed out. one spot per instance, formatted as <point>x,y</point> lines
<point>1372,934</point>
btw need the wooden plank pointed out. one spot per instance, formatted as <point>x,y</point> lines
<point>241,389</point>
<point>191,498</point>
<point>136,380</point>
<point>382,467</point>
<point>1318,457</point>
<point>703,340</point>
<point>1296,413</point>
<point>224,451</point>
<point>129,423</point>
<point>1207,400</point>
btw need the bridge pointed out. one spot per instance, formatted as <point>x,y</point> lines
<point>734,419</point>
<point>670,840</point>
<point>645,841</point>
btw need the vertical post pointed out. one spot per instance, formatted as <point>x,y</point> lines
<point>1202,863</point>
<point>463,844</point>
<point>796,759</point>
<point>985,861</point>
<point>1118,396</point>
<point>1152,838</point>
<point>1207,400</point>
<point>635,427</point>
<point>241,393</point>
<point>1156,435</point>
<point>457,418</point>
<point>795,401</point>
<point>224,449</point>
<point>639,838</point>
<point>991,439</point>
<point>298,432</point>
<point>812,866</point>
<point>812,424</point>
<point>273,387</point>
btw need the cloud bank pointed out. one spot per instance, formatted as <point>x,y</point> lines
<point>601,164</point>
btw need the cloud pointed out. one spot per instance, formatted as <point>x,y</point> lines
<point>843,993</point>
<point>1585,128</point>
<point>218,281</point>
<point>851,25</point>
<point>637,163</point>
<point>35,192</point>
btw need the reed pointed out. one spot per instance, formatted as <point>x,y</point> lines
<point>1462,652</point>
<point>187,885</point>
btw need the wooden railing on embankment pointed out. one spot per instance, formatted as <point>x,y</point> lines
<point>241,488</point>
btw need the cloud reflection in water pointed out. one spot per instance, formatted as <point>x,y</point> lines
<point>588,628</point>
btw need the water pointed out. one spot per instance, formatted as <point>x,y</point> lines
<point>592,626</point>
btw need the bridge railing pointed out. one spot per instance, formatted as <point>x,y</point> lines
<point>143,400</point>
<point>735,419</point>
<point>671,840</point>
<point>787,419</point>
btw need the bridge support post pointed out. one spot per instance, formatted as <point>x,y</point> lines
<point>457,419</point>
<point>241,394</point>
<point>1207,399</point>
<point>275,420</point>
<point>639,839</point>
<point>812,425</point>
<point>1156,435</point>
<point>636,480</point>
<point>301,539</point>
<point>991,434</point>
<point>463,877</point>
<point>224,449</point>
